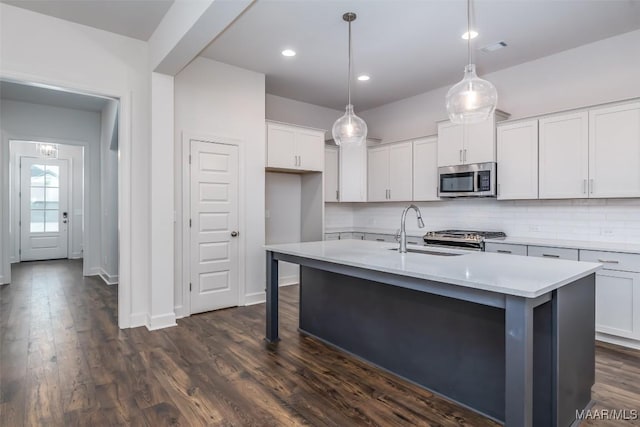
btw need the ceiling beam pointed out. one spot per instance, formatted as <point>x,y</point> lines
<point>187,28</point>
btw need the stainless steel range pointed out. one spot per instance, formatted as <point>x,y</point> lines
<point>463,239</point>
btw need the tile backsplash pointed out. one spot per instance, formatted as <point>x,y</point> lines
<point>610,220</point>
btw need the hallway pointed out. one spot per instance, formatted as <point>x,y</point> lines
<point>63,362</point>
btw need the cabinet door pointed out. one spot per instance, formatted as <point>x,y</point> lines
<point>378,174</point>
<point>425,169</point>
<point>564,161</point>
<point>281,146</point>
<point>518,161</point>
<point>614,151</point>
<point>553,253</point>
<point>331,174</point>
<point>506,248</point>
<point>401,171</point>
<point>353,173</point>
<point>450,138</point>
<point>309,148</point>
<point>480,142</point>
<point>618,303</point>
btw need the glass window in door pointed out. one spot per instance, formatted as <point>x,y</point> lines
<point>45,198</point>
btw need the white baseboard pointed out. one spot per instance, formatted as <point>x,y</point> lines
<point>624,342</point>
<point>108,279</point>
<point>179,310</point>
<point>2,282</point>
<point>13,259</point>
<point>77,255</point>
<point>288,280</point>
<point>255,298</point>
<point>161,321</point>
<point>138,319</point>
<point>94,271</point>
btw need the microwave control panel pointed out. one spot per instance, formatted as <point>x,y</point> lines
<point>484,180</point>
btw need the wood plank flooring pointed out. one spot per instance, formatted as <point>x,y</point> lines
<point>63,362</point>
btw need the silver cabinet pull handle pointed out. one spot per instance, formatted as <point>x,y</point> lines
<point>460,155</point>
<point>550,256</point>
<point>502,251</point>
<point>464,155</point>
<point>608,261</point>
<point>584,186</point>
<point>379,240</point>
<point>337,195</point>
<point>591,185</point>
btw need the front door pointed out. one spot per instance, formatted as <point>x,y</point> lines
<point>214,226</point>
<point>43,209</point>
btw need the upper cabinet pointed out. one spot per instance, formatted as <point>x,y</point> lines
<point>331,176</point>
<point>390,172</point>
<point>592,153</point>
<point>466,144</point>
<point>614,151</point>
<point>564,156</point>
<point>294,147</point>
<point>353,173</point>
<point>517,146</point>
<point>425,169</point>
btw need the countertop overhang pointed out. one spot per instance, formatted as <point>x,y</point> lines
<point>528,277</point>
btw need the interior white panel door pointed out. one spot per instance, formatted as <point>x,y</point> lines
<point>214,226</point>
<point>518,161</point>
<point>564,156</point>
<point>44,188</point>
<point>378,174</point>
<point>425,169</point>
<point>401,171</point>
<point>614,151</point>
<point>281,146</point>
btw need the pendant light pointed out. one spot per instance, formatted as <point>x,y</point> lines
<point>473,99</point>
<point>349,129</point>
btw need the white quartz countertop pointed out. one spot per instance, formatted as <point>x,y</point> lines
<point>528,277</point>
<point>632,248</point>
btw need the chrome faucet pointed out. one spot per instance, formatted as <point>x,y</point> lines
<point>403,233</point>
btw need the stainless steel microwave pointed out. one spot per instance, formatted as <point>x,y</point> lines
<point>474,180</point>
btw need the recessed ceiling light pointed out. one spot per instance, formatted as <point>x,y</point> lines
<point>473,34</point>
<point>289,52</point>
<point>363,77</point>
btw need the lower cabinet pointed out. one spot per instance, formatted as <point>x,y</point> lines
<point>618,303</point>
<point>506,248</point>
<point>379,237</point>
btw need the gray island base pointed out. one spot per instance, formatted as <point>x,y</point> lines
<point>523,361</point>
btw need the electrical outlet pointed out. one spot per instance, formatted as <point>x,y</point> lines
<point>534,228</point>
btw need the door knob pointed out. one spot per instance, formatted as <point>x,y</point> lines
<point>234,234</point>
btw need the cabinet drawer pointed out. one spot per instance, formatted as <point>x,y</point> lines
<point>613,260</point>
<point>550,252</point>
<point>505,248</point>
<point>379,237</point>
<point>346,235</point>
<point>413,240</point>
<point>358,236</point>
<point>332,236</point>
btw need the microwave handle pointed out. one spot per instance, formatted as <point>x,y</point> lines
<point>476,182</point>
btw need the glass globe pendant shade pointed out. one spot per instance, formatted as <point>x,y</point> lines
<point>472,100</point>
<point>349,129</point>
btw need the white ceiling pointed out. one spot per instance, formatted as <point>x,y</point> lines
<point>131,18</point>
<point>407,46</point>
<point>38,94</point>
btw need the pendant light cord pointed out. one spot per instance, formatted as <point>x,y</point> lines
<point>349,76</point>
<point>469,31</point>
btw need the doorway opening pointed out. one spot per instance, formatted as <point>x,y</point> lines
<point>61,150</point>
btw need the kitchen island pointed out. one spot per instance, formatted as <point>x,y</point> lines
<point>510,337</point>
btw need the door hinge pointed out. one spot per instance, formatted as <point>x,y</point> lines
<point>189,158</point>
<point>189,222</point>
<point>19,251</point>
<point>19,223</point>
<point>189,287</point>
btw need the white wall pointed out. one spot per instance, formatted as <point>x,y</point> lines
<point>301,113</point>
<point>595,73</point>
<point>34,122</point>
<point>215,100</point>
<point>109,192</point>
<point>284,217</point>
<point>74,156</point>
<point>38,48</point>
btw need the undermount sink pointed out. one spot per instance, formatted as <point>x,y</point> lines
<point>428,252</point>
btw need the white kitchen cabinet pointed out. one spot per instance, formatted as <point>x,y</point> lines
<point>564,156</point>
<point>466,144</point>
<point>331,175</point>
<point>517,147</point>
<point>331,236</point>
<point>353,173</point>
<point>506,248</point>
<point>614,151</point>
<point>425,169</point>
<point>554,253</point>
<point>618,303</point>
<point>380,237</point>
<point>294,147</point>
<point>390,172</point>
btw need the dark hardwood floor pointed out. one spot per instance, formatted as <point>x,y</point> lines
<point>63,362</point>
